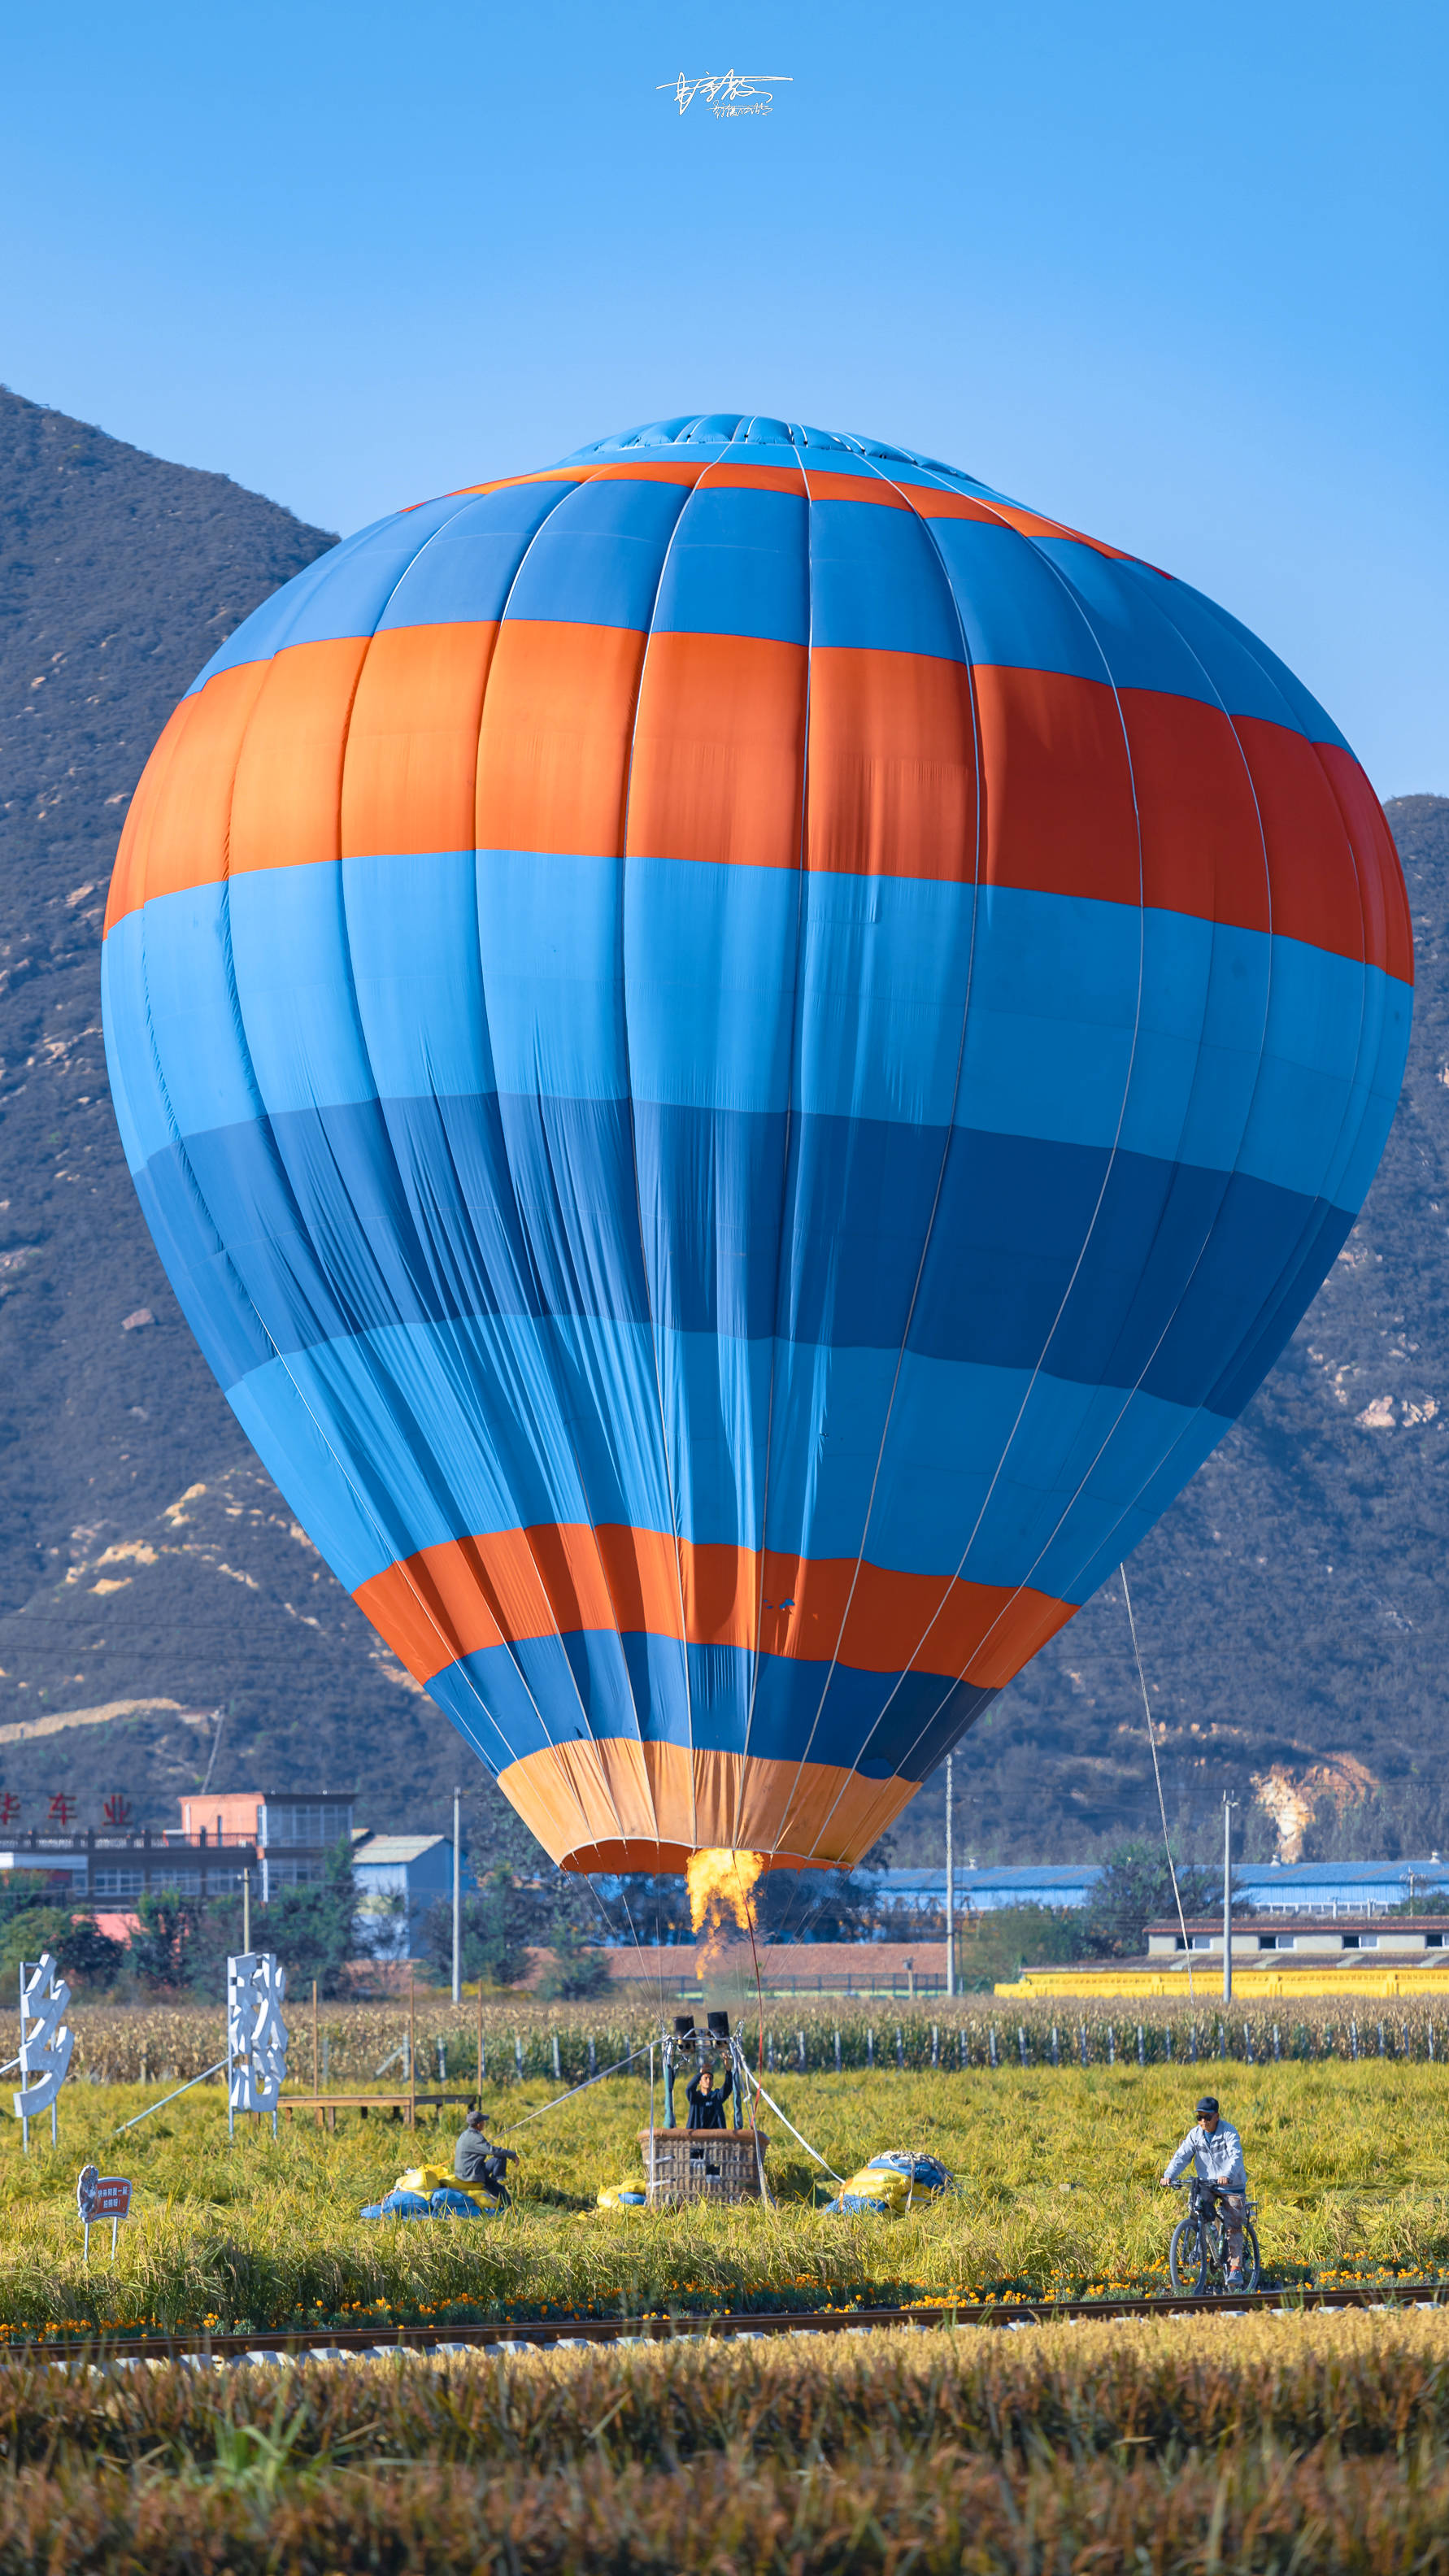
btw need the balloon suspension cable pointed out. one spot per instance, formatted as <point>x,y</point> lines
<point>1157,1776</point>
<point>794,2132</point>
<point>204,2078</point>
<point>643,2050</point>
<point>759,1989</point>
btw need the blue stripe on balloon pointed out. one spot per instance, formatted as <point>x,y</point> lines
<point>1016,610</point>
<point>597,559</point>
<point>551,1690</point>
<point>395,1441</point>
<point>877,583</point>
<point>465,571</point>
<point>738,566</point>
<point>455,974</point>
<point>593,553</point>
<point>341,1220</point>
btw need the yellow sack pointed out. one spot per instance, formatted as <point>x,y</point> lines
<point>426,2179</point>
<point>892,2183</point>
<point>623,2195</point>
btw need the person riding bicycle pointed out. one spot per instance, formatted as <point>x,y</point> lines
<point>1215,2150</point>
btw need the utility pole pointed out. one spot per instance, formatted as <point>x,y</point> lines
<point>950,1885</point>
<point>457,1894</point>
<point>246,1909</point>
<point>1228,1804</point>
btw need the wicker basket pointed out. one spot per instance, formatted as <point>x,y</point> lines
<point>704,2164</point>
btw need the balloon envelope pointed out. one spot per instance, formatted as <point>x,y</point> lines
<point>741,1053</point>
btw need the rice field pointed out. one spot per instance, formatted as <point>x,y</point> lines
<point>1283,2445</point>
<point>1055,2194</point>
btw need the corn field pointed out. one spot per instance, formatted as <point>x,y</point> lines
<point>358,2043</point>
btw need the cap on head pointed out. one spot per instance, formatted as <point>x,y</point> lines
<point>476,2120</point>
<point>1207,2108</point>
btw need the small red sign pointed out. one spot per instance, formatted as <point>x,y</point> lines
<point>112,2198</point>
<point>9,1807</point>
<point>62,1809</point>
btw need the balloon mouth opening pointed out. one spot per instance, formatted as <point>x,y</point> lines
<point>672,1860</point>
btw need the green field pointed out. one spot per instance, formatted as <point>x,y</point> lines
<point>1055,2173</point>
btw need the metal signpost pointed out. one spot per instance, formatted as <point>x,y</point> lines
<point>256,2035</point>
<point>101,2196</point>
<point>45,2042</point>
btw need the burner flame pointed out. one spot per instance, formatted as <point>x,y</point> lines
<point>720,1884</point>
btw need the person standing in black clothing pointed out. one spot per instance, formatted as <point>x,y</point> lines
<point>706,2106</point>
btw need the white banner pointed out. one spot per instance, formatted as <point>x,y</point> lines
<point>256,2035</point>
<point>45,2041</point>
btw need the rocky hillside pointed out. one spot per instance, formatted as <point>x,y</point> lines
<point>153,1586</point>
<point>150,1576</point>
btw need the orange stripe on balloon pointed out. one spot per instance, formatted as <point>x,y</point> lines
<point>825,486</point>
<point>1389,925</point>
<point>1314,880</point>
<point>1202,844</point>
<point>466,1595</point>
<point>249,773</point>
<point>1057,787</point>
<point>719,751</point>
<point>410,778</point>
<point>553,754</point>
<point>177,830</point>
<point>892,786</point>
<point>687,474</point>
<point>288,785</point>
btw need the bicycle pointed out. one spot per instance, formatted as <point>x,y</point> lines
<point>1197,2258</point>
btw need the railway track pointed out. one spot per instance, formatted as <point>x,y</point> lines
<point>368,2342</point>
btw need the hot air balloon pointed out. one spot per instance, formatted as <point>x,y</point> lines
<point>741,1053</point>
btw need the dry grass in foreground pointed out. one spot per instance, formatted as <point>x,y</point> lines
<point>1299,2443</point>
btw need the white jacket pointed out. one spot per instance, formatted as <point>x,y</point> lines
<point>1218,2158</point>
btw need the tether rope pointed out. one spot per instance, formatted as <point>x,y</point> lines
<point>1157,1776</point>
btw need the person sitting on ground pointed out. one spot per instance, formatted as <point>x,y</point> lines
<point>479,2165</point>
<point>706,2106</point>
<point>471,2154</point>
<point>1215,2150</point>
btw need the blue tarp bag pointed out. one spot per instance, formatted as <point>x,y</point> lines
<point>400,2204</point>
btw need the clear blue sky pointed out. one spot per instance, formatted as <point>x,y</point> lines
<point>1177,275</point>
